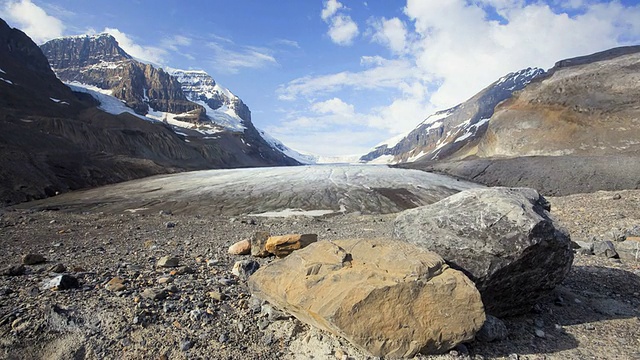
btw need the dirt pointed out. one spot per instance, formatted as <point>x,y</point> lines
<point>593,315</point>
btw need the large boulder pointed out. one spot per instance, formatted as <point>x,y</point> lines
<point>503,238</point>
<point>387,297</point>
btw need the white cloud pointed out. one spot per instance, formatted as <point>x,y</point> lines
<point>150,54</point>
<point>380,73</point>
<point>330,8</point>
<point>33,20</point>
<point>333,106</point>
<point>342,29</point>
<point>391,33</point>
<point>172,43</point>
<point>249,57</point>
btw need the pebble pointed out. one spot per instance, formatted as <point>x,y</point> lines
<point>13,270</point>
<point>242,247</point>
<point>168,261</point>
<point>115,284</point>
<point>164,280</point>
<point>58,268</point>
<point>62,282</point>
<point>170,225</point>
<point>244,268</point>
<point>33,259</point>
<point>341,355</point>
<point>223,338</point>
<point>540,333</point>
<point>216,295</point>
<point>185,345</point>
<point>153,294</point>
<point>493,329</point>
<point>183,270</point>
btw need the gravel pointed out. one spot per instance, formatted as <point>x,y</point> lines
<point>208,313</point>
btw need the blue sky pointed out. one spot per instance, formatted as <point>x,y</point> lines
<point>338,77</point>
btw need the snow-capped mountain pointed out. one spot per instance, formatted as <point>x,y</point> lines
<point>446,131</point>
<point>191,102</point>
<point>221,105</point>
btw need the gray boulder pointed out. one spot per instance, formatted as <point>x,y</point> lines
<point>503,239</point>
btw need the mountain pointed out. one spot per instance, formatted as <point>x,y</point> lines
<point>53,139</point>
<point>574,129</point>
<point>99,61</point>
<point>446,131</point>
<point>190,101</point>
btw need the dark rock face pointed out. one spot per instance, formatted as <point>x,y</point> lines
<point>502,238</point>
<point>445,132</point>
<point>82,51</point>
<point>99,61</point>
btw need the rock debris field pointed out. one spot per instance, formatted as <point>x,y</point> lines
<point>86,281</point>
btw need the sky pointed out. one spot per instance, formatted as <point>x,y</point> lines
<point>338,77</point>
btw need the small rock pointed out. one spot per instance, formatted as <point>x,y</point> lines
<point>33,259</point>
<point>183,270</point>
<point>62,282</point>
<point>258,243</point>
<point>462,350</point>
<point>493,329</point>
<point>164,280</point>
<point>539,323</point>
<point>185,345</point>
<point>243,269</point>
<point>617,197</point>
<point>271,313</point>
<point>223,338</point>
<point>284,245</point>
<point>115,284</point>
<point>58,268</point>
<point>589,327</point>
<point>540,333</point>
<point>217,295</point>
<point>167,261</point>
<point>165,212</point>
<point>153,294</point>
<point>13,270</point>
<point>172,289</point>
<point>242,247</point>
<point>170,225</point>
<point>341,355</point>
<point>606,249</point>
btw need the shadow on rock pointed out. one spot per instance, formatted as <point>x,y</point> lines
<point>589,296</point>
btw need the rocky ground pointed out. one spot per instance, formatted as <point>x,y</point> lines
<point>200,309</point>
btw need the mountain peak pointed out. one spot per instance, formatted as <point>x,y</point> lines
<point>83,50</point>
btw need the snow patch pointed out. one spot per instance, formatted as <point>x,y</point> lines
<point>7,81</point>
<point>277,144</point>
<point>293,212</point>
<point>2,71</point>
<point>108,103</point>
<point>383,160</point>
<point>58,101</point>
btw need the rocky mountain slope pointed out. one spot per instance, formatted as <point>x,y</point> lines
<point>446,131</point>
<point>54,140</point>
<point>574,129</point>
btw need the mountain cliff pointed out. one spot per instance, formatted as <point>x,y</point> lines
<point>99,61</point>
<point>445,132</point>
<point>575,129</point>
<point>190,101</point>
